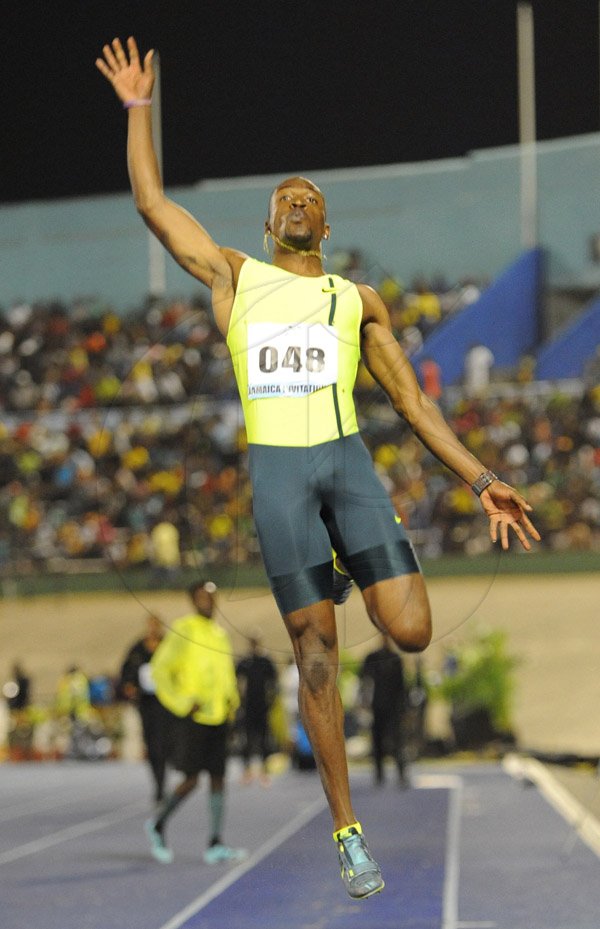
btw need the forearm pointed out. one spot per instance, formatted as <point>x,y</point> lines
<point>142,163</point>
<point>430,427</point>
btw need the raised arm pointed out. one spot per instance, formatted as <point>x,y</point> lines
<point>392,370</point>
<point>187,241</point>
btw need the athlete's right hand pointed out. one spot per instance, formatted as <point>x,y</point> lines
<point>131,79</point>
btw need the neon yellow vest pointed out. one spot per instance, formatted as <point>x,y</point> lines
<point>295,346</point>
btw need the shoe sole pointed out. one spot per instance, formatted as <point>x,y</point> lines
<point>370,893</point>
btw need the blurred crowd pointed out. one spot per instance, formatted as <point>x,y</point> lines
<point>122,440</point>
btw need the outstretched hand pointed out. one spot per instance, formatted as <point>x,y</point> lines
<point>505,507</point>
<point>131,79</point>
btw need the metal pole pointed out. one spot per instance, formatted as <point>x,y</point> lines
<point>527,125</point>
<point>157,258</point>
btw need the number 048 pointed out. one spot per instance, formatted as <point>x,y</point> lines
<point>268,359</point>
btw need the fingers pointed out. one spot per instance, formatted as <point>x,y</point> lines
<point>499,525</point>
<point>132,48</point>
<point>115,58</point>
<point>119,53</point>
<point>110,58</point>
<point>102,67</point>
<point>530,528</point>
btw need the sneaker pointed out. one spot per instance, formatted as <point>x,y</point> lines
<point>218,853</point>
<point>157,843</point>
<point>360,872</point>
<point>342,582</point>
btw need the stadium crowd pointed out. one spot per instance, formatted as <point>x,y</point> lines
<point>115,424</point>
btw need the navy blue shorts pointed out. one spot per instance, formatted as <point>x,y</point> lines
<point>310,500</point>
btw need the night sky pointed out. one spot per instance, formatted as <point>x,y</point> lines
<point>282,85</point>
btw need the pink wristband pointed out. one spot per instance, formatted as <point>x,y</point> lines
<point>141,102</point>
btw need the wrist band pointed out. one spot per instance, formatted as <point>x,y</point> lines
<point>484,480</point>
<point>143,101</point>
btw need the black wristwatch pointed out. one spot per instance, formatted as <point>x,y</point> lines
<point>484,480</point>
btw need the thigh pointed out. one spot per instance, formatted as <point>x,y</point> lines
<point>399,607</point>
<point>363,525</point>
<point>293,539</point>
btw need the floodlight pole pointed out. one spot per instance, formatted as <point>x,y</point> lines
<point>527,125</point>
<point>157,264</point>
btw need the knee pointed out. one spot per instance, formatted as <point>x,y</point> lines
<point>413,637</point>
<point>317,672</point>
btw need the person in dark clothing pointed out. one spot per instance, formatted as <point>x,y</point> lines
<point>136,685</point>
<point>17,689</point>
<point>257,683</point>
<point>384,692</point>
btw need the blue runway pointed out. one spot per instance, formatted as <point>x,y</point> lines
<point>301,878</point>
<point>468,847</point>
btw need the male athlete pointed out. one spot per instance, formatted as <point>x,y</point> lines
<point>296,335</point>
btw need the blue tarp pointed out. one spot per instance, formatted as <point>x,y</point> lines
<point>505,318</point>
<point>568,354</point>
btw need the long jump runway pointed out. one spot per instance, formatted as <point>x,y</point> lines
<point>467,847</point>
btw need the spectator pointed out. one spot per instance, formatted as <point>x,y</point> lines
<point>137,685</point>
<point>257,681</point>
<point>17,689</point>
<point>478,364</point>
<point>384,692</point>
<point>166,556</point>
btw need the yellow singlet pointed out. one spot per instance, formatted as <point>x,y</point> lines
<point>295,346</point>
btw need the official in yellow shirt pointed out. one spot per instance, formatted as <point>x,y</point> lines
<point>194,674</point>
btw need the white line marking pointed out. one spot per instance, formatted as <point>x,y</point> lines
<point>44,804</point>
<point>228,879</point>
<point>581,819</point>
<point>452,864</point>
<point>73,832</point>
<point>484,925</point>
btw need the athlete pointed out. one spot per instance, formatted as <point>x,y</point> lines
<point>296,335</point>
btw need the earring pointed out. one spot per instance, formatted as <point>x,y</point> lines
<point>266,243</point>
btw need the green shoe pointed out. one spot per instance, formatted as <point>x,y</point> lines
<point>360,872</point>
<point>217,853</point>
<point>342,582</point>
<point>157,843</point>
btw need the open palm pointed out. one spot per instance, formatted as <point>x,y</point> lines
<point>131,79</point>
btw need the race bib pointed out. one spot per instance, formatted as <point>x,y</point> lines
<point>290,361</point>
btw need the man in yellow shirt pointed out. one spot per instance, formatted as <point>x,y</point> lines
<point>194,674</point>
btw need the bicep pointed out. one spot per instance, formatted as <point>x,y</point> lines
<point>187,241</point>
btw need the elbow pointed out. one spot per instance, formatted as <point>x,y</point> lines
<point>147,205</point>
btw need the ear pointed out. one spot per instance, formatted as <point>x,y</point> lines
<point>327,231</point>
<point>267,227</point>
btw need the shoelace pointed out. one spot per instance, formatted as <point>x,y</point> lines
<point>355,851</point>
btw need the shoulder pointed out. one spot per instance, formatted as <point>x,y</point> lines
<point>374,309</point>
<point>235,259</point>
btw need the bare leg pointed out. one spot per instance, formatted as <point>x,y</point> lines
<point>400,607</point>
<point>314,638</point>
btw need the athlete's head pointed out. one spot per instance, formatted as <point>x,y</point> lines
<point>202,595</point>
<point>297,214</point>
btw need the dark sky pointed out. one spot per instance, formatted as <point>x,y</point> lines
<point>282,85</point>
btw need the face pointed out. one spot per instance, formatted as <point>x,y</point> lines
<point>297,213</point>
<point>203,601</point>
